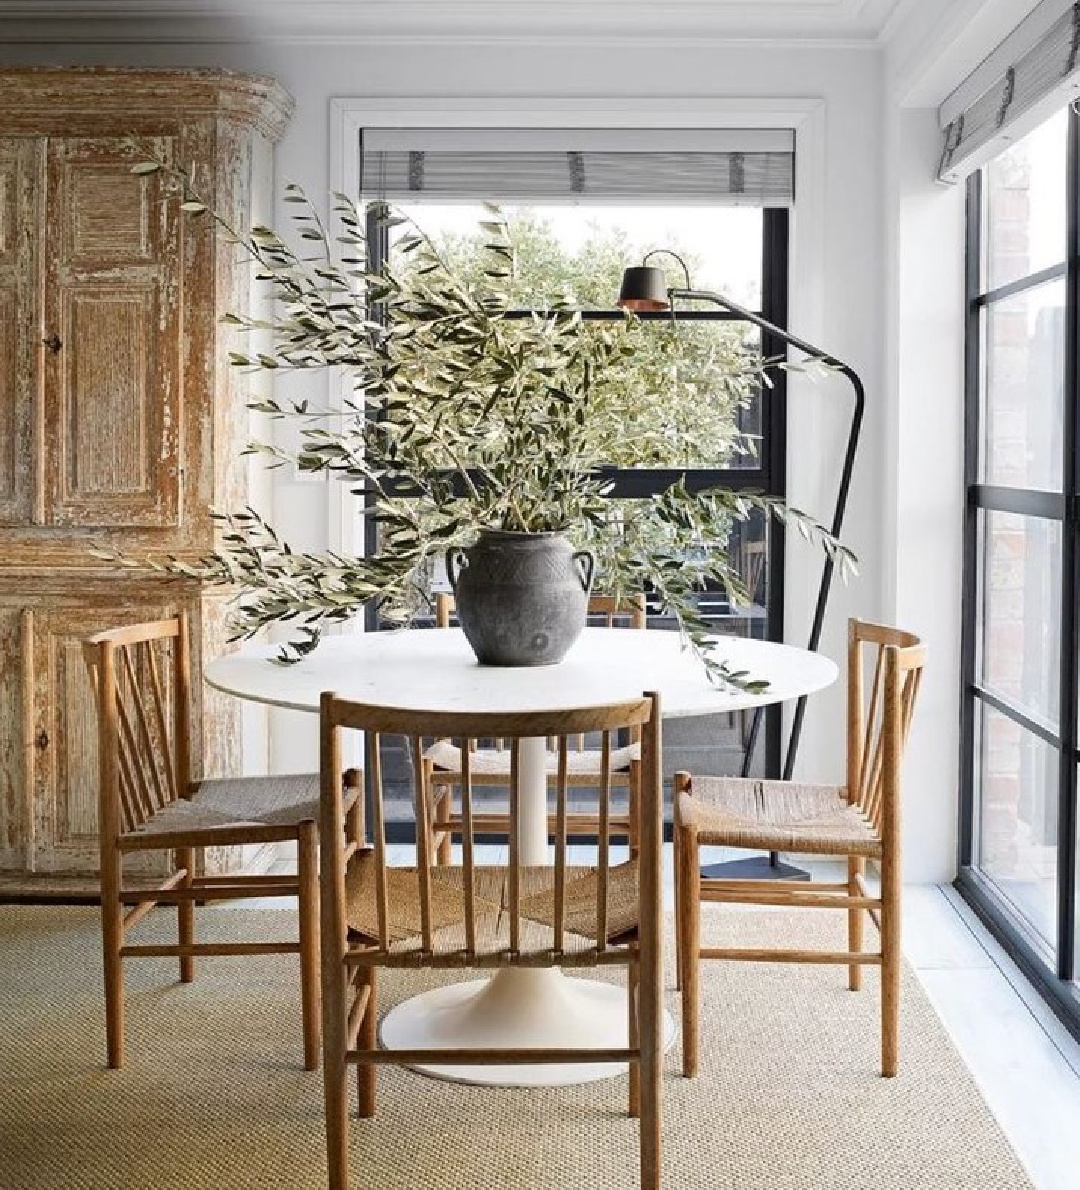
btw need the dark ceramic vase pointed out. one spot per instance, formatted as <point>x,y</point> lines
<point>521,597</point>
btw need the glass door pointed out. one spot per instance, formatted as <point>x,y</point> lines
<point>1019,729</point>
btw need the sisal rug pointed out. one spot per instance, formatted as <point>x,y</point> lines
<point>213,1097</point>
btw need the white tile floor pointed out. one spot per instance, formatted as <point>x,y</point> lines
<point>1025,1063</point>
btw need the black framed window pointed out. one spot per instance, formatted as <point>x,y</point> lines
<point>759,280</point>
<point>1019,754</point>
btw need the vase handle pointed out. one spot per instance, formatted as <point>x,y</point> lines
<point>456,562</point>
<point>586,564</point>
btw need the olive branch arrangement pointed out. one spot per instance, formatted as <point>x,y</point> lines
<point>467,413</point>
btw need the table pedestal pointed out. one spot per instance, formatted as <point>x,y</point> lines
<point>520,1007</point>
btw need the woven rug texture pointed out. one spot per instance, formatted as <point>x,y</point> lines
<point>213,1096</point>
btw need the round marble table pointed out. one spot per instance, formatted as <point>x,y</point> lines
<point>436,670</point>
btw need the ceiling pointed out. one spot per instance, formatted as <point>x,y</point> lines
<point>833,22</point>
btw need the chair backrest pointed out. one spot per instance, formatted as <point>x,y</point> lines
<point>625,612</point>
<point>615,612</point>
<point>751,567</point>
<point>141,677</point>
<point>879,716</point>
<point>430,892</point>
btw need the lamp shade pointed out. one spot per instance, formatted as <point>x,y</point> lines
<point>644,287</point>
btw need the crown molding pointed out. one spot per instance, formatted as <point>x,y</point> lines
<point>31,96</point>
<point>850,23</point>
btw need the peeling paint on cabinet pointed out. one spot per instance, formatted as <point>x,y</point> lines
<point>121,425</point>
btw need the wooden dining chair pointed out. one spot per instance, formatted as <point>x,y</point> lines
<point>859,820</point>
<point>375,916</point>
<point>148,800</point>
<point>490,765</point>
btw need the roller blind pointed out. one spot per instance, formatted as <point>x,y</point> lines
<point>731,166</point>
<point>1039,72</point>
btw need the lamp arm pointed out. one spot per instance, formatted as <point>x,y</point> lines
<point>668,252</point>
<point>843,489</point>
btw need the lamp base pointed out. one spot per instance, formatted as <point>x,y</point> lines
<point>754,867</point>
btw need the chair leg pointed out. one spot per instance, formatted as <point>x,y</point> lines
<point>335,1094</point>
<point>185,915</point>
<point>650,1019</point>
<point>632,985</point>
<point>308,903</point>
<point>112,937</point>
<point>890,964</point>
<point>688,911</point>
<point>365,1071</point>
<point>676,864</point>
<point>856,865</point>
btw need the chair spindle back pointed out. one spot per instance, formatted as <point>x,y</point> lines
<point>486,931</point>
<point>140,677</point>
<point>879,715</point>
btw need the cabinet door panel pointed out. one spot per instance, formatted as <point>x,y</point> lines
<point>15,729</point>
<point>112,314</point>
<point>20,193</point>
<point>65,749</point>
<point>107,330</point>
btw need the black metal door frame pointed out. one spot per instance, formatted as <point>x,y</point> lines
<point>1056,979</point>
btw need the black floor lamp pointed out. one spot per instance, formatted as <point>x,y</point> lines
<point>645,288</point>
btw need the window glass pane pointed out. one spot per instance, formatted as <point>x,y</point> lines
<point>1023,377</point>
<point>718,743</point>
<point>1016,836</point>
<point>696,399</point>
<point>744,613</point>
<point>1025,204</point>
<point>578,254</point>
<point>585,249</point>
<point>1020,610</point>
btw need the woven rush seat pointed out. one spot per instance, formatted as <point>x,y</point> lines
<point>492,893</point>
<point>495,762</point>
<point>777,816</point>
<point>238,801</point>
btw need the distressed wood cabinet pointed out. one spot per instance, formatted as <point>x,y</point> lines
<point>121,423</point>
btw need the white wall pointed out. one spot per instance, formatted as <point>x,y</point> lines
<point>923,469</point>
<point>923,329</point>
<point>858,289</point>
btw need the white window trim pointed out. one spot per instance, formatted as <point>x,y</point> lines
<point>806,251</point>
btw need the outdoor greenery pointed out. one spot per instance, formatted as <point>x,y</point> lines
<point>680,400</point>
<point>466,414</point>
